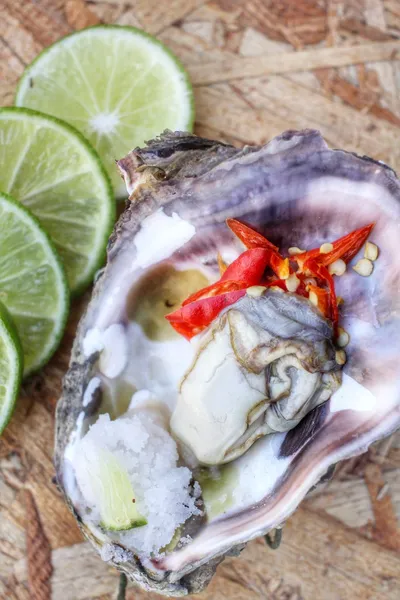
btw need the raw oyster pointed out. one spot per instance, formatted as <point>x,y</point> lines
<point>258,371</point>
<point>128,361</point>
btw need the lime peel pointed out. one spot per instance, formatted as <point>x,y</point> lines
<point>11,362</point>
<point>118,85</point>
<point>60,178</point>
<point>33,285</point>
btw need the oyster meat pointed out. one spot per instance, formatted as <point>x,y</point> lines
<point>258,371</point>
<point>174,453</point>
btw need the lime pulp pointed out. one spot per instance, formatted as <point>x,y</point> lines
<point>11,365</point>
<point>117,85</point>
<point>33,284</point>
<point>51,169</point>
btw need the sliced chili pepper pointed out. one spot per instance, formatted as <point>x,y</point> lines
<point>249,266</point>
<point>271,282</point>
<point>279,265</point>
<point>301,288</point>
<point>201,308</point>
<point>186,330</point>
<point>249,237</point>
<point>304,283</point>
<point>304,256</point>
<point>245,271</point>
<point>323,298</point>
<point>254,240</point>
<point>221,264</point>
<point>322,272</point>
<point>280,283</point>
<point>216,289</point>
<point>345,248</point>
<point>196,316</point>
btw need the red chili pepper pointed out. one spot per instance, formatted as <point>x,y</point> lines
<point>253,240</point>
<point>196,316</point>
<point>216,289</point>
<point>244,272</point>
<point>201,308</point>
<point>280,266</point>
<point>323,298</point>
<point>280,283</point>
<point>301,288</point>
<point>249,266</point>
<point>345,248</point>
<point>322,272</point>
<point>186,330</point>
<point>249,237</point>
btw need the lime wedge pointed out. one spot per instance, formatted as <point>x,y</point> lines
<point>115,494</point>
<point>11,359</point>
<point>117,85</point>
<point>51,169</point>
<point>33,286</point>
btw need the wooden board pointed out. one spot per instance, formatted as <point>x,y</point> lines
<point>259,67</point>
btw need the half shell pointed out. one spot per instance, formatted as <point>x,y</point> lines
<point>297,192</point>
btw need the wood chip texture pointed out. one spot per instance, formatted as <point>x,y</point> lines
<point>38,552</point>
<point>258,67</point>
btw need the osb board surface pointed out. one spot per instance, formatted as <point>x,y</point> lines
<point>258,67</point>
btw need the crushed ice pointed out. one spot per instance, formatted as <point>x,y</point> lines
<point>149,455</point>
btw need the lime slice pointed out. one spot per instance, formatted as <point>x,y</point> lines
<point>33,286</point>
<point>117,85</point>
<point>115,495</point>
<point>51,169</point>
<point>11,359</point>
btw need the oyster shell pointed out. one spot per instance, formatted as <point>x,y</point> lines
<point>297,192</point>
